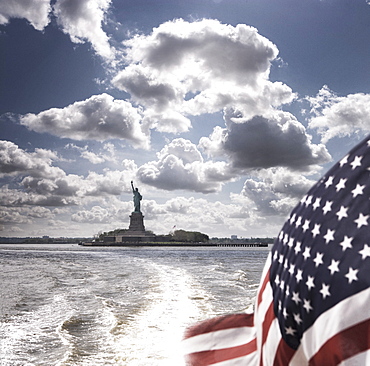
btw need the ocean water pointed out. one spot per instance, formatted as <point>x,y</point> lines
<point>67,305</point>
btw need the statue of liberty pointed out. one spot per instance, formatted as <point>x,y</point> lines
<point>137,198</point>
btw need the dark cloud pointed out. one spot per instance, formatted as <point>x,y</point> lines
<point>263,142</point>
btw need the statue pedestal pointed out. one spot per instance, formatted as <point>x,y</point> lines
<point>137,222</point>
<point>136,232</point>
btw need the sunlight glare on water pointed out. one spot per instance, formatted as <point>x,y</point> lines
<point>155,334</point>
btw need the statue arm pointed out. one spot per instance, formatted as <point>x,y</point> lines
<point>132,185</point>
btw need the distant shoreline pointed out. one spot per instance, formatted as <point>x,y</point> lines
<point>169,244</point>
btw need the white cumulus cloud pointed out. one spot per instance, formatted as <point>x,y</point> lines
<point>82,20</point>
<point>101,117</point>
<point>181,166</point>
<point>336,116</point>
<point>35,11</point>
<point>190,68</point>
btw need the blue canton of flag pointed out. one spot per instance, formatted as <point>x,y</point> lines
<point>321,256</point>
<point>313,302</point>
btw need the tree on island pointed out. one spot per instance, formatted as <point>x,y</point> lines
<point>189,236</point>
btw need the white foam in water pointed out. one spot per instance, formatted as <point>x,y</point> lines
<point>154,336</point>
<point>33,333</point>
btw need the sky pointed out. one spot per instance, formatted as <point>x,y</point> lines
<point>223,112</point>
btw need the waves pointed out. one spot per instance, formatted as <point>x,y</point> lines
<point>116,307</point>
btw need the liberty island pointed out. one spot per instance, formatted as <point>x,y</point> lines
<point>137,235</point>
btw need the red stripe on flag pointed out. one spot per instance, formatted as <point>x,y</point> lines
<point>284,354</point>
<point>343,345</point>
<point>220,323</point>
<point>269,318</point>
<point>263,287</point>
<point>205,358</point>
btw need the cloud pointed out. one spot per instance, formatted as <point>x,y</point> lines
<point>96,214</point>
<point>18,198</point>
<point>46,185</point>
<point>339,116</point>
<point>268,141</point>
<point>190,68</point>
<point>82,20</point>
<point>180,166</point>
<point>110,183</point>
<point>9,215</point>
<point>101,117</point>
<point>275,191</point>
<point>15,161</point>
<point>35,11</point>
<point>107,154</point>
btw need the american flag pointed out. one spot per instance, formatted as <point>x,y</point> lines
<point>313,302</point>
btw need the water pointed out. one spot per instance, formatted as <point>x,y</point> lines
<point>67,305</point>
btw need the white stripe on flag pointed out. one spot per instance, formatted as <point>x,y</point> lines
<point>218,339</point>
<point>271,344</point>
<point>245,360</point>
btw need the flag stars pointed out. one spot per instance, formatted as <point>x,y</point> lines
<point>299,276</point>
<point>275,256</point>
<point>286,264</point>
<point>307,305</point>
<point>343,161</point>
<point>303,200</point>
<point>298,222</point>
<point>342,213</point>
<point>292,267</point>
<point>306,254</point>
<point>296,298</point>
<point>346,243</point>
<point>291,243</point>
<point>352,275</point>
<point>292,219</point>
<point>365,252</point>
<point>297,318</point>
<point>341,184</point>
<point>356,162</point>
<point>308,200</point>
<point>306,225</point>
<point>287,291</point>
<point>281,235</point>
<point>318,259</point>
<point>325,291</point>
<point>358,190</point>
<point>361,220</point>
<point>334,266</point>
<point>329,181</point>
<point>297,247</point>
<point>329,236</point>
<point>316,204</point>
<point>327,207</point>
<point>316,230</point>
<point>282,285</point>
<point>310,282</point>
<point>290,331</point>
